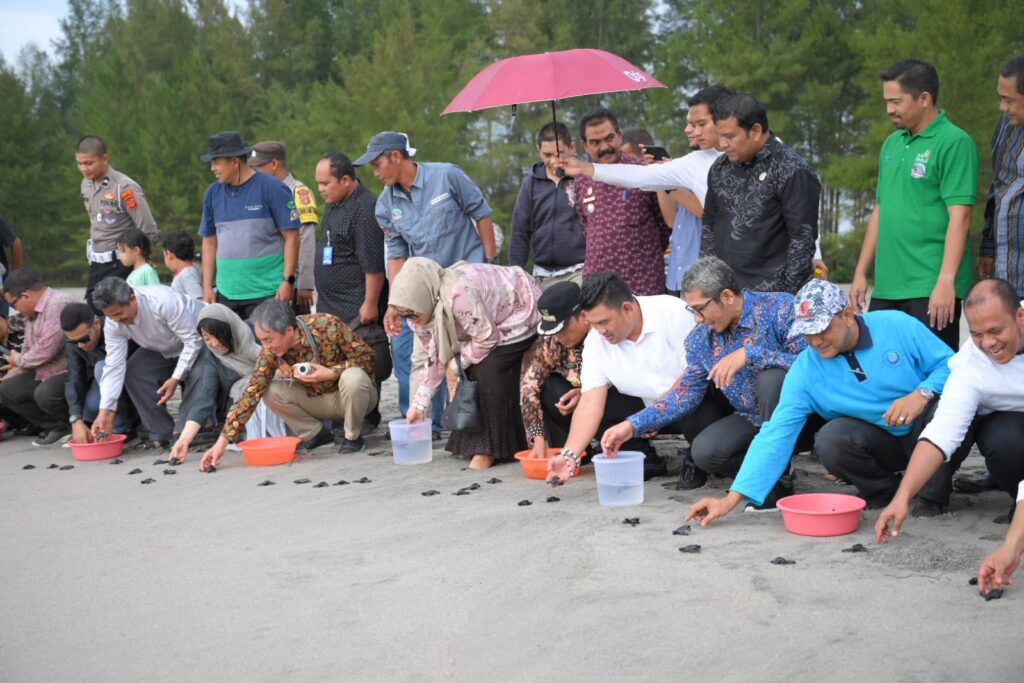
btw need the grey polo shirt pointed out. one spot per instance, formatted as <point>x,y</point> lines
<point>435,219</point>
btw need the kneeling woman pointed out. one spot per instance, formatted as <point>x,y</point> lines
<point>486,314</point>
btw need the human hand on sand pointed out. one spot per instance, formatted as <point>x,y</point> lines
<point>707,510</point>
<point>614,437</point>
<point>179,451</point>
<point>558,469</point>
<point>212,456</point>
<point>996,569</point>
<point>896,512</point>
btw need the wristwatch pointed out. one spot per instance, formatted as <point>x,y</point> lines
<point>927,393</point>
<point>494,260</point>
<point>74,418</point>
<point>290,279</point>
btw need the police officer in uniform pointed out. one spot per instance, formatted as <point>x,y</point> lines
<point>114,203</point>
<point>269,156</point>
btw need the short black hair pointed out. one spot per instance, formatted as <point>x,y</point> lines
<point>915,76</point>
<point>73,315</point>
<point>634,137</point>
<point>23,280</point>
<point>219,330</point>
<point>90,144</point>
<point>708,94</point>
<point>1015,67</point>
<point>132,238</point>
<point>745,108</point>
<point>180,244</point>
<point>554,130</point>
<point>595,116</point>
<point>340,165</point>
<point>995,287</point>
<point>607,289</point>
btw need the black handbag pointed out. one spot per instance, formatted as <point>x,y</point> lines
<point>463,412</point>
<point>374,336</point>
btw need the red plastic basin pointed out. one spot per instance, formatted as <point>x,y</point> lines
<point>821,514</point>
<point>537,468</point>
<point>100,450</point>
<point>273,450</point>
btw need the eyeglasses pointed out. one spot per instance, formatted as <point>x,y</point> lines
<point>408,315</point>
<point>699,310</point>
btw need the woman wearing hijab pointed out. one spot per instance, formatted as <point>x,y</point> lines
<point>488,315</point>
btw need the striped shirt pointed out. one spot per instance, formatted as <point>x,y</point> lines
<point>1003,236</point>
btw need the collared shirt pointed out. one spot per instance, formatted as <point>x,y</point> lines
<point>492,306</point>
<point>81,373</point>
<point>550,356</point>
<point>895,354</point>
<point>43,346</point>
<point>625,232</point>
<point>762,331</point>
<point>352,246</point>
<point>115,204</point>
<point>165,322</point>
<point>247,221</point>
<point>304,208</point>
<point>977,385</point>
<point>919,177</point>
<point>648,367</point>
<point>338,349</point>
<point>436,218</point>
<point>761,218</point>
<point>1003,236</point>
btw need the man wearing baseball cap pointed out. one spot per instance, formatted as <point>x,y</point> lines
<point>874,378</point>
<point>432,210</point>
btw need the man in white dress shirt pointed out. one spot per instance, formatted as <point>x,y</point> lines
<point>163,324</point>
<point>632,356</point>
<point>984,394</point>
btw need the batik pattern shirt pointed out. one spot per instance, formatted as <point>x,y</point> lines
<point>762,331</point>
<point>761,218</point>
<point>339,349</point>
<point>625,233</point>
<point>1003,236</point>
<point>551,356</point>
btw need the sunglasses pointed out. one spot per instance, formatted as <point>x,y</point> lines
<point>81,340</point>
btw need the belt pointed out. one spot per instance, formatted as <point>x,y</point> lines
<point>98,256</point>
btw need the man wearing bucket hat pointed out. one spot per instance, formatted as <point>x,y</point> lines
<point>874,377</point>
<point>550,389</point>
<point>431,210</point>
<point>249,230</point>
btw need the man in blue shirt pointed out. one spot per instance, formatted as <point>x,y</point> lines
<point>875,377</point>
<point>432,210</point>
<point>737,358</point>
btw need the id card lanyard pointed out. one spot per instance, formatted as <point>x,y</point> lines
<point>328,256</point>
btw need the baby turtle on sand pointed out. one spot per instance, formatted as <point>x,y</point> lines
<point>340,482</point>
<point>116,461</point>
<point>265,482</point>
<point>52,466</point>
<point>29,467</point>
<point>473,487</point>
<point>461,492</point>
<point>210,469</point>
<point>170,471</point>
<point>302,481</point>
<point>160,462</point>
<point>684,530</point>
<point>690,548</point>
<point>320,485</point>
<point>68,467</point>
<point>993,594</point>
<point>973,581</point>
<point>524,503</point>
<point>148,481</point>
<point>429,493</point>
<point>855,548</point>
<point>175,462</point>
<point>494,480</point>
<point>553,499</point>
<point>632,521</point>
<point>555,481</point>
<point>363,480</point>
<point>781,560</point>
<point>136,471</point>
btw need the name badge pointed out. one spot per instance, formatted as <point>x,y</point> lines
<point>328,255</point>
<point>439,198</point>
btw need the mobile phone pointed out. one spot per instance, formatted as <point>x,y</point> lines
<point>658,153</point>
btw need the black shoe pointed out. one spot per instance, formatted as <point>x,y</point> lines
<point>321,439</point>
<point>352,446</point>
<point>690,476</point>
<point>974,484</point>
<point>654,466</point>
<point>922,507</point>
<point>783,487</point>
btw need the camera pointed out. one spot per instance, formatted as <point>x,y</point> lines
<point>304,369</point>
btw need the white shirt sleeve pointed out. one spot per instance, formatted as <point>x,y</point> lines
<point>957,406</point>
<point>592,374</point>
<point>182,322</point>
<point>112,381</point>
<point>671,175</point>
<point>817,248</point>
<point>1020,492</point>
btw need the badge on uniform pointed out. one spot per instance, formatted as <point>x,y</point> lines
<point>328,255</point>
<point>128,197</point>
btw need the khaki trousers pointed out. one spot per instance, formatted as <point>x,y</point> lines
<point>356,396</point>
<point>575,276</point>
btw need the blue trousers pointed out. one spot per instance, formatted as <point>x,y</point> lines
<point>401,358</point>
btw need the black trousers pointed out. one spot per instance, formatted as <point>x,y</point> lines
<point>147,370</point>
<point>619,406</point>
<point>24,400</point>
<point>99,272</point>
<point>869,457</point>
<point>242,307</point>
<point>918,308</point>
<point>721,447</point>
<point>999,437</point>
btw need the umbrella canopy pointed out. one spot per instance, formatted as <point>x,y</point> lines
<point>548,77</point>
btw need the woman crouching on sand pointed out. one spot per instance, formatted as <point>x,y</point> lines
<point>488,316</point>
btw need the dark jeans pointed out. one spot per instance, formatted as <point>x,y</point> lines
<point>999,437</point>
<point>721,446</point>
<point>918,308</point>
<point>24,400</point>
<point>242,307</point>
<point>869,457</point>
<point>147,370</point>
<point>619,406</point>
<point>99,272</point>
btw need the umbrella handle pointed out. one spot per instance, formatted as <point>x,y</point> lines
<point>559,172</point>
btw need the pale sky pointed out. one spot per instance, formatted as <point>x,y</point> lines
<point>29,21</point>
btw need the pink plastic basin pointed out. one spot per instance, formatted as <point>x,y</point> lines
<point>101,450</point>
<point>821,514</point>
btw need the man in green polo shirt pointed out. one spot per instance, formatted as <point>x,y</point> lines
<point>917,234</point>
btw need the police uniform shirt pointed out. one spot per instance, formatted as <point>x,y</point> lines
<point>303,208</point>
<point>115,204</point>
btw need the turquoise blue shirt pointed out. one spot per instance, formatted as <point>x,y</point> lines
<point>895,354</point>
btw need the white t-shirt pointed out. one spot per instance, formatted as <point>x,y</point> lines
<point>648,367</point>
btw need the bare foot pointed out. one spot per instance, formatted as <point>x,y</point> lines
<point>481,462</point>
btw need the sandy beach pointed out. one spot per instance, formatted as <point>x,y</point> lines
<point>209,577</point>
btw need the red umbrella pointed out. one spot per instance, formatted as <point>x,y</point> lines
<point>550,76</point>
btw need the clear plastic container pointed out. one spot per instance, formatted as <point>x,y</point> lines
<point>620,480</point>
<point>411,444</point>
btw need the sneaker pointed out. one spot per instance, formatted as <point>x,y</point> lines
<point>323,438</point>
<point>922,507</point>
<point>690,476</point>
<point>782,488</point>
<point>352,446</point>
<point>974,484</point>
<point>52,437</point>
